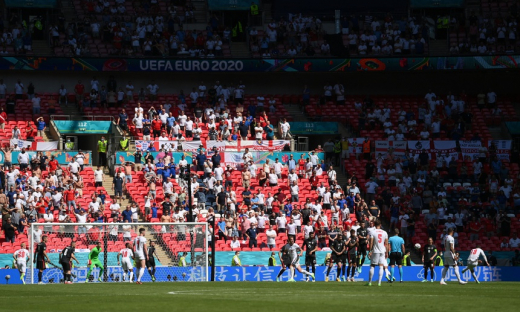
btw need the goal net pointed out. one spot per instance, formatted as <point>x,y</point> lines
<point>181,251</point>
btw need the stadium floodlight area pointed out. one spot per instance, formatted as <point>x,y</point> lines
<point>181,251</point>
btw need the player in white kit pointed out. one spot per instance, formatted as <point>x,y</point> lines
<point>294,253</point>
<point>140,254</point>
<point>378,252</point>
<point>127,257</point>
<point>450,257</point>
<point>474,255</point>
<point>21,256</point>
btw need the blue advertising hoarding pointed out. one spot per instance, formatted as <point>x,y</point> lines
<point>63,157</point>
<point>82,126</point>
<point>227,157</point>
<point>267,274</point>
<point>301,127</point>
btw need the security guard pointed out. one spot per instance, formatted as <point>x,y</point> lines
<point>254,13</point>
<point>69,146</point>
<point>344,148</point>
<point>124,144</point>
<point>366,148</point>
<point>406,259</point>
<point>254,9</point>
<point>102,151</point>
<point>182,260</point>
<point>236,260</point>
<point>237,30</point>
<point>438,260</point>
<point>272,260</point>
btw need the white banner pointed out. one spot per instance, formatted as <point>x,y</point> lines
<point>144,145</point>
<point>266,145</point>
<point>446,148</point>
<point>503,148</point>
<point>21,143</point>
<point>47,146</point>
<point>416,148</point>
<point>355,145</point>
<point>470,149</point>
<point>398,148</point>
<point>191,146</point>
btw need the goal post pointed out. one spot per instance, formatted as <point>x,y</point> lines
<point>181,251</point>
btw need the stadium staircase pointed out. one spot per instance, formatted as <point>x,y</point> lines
<point>296,112</point>
<point>298,115</point>
<point>166,257</point>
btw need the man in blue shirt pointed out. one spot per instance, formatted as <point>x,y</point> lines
<point>252,109</point>
<point>288,208</point>
<point>350,201</point>
<point>122,121</point>
<point>396,254</point>
<point>222,229</point>
<point>269,131</point>
<point>11,195</point>
<point>291,163</point>
<point>216,159</point>
<point>154,210</point>
<point>246,195</point>
<point>127,214</point>
<point>166,173</point>
<point>169,122</point>
<point>342,202</point>
<point>40,126</point>
<point>201,159</point>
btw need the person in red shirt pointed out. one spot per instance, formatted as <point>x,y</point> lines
<point>70,195</point>
<point>229,177</point>
<point>474,229</point>
<point>3,118</point>
<point>156,127</point>
<point>53,164</point>
<point>488,226</point>
<point>79,89</point>
<point>263,119</point>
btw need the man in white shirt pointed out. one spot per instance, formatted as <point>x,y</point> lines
<point>271,237</point>
<point>281,222</point>
<point>514,242</point>
<point>278,166</point>
<point>294,192</point>
<point>153,88</point>
<point>378,252</point>
<point>74,167</point>
<point>98,177</point>
<point>234,243</point>
<point>285,127</point>
<point>450,257</point>
<point>23,159</point>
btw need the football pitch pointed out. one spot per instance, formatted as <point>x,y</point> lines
<point>261,296</point>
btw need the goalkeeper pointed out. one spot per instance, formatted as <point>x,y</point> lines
<point>93,261</point>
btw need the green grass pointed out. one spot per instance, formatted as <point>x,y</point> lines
<point>261,296</point>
